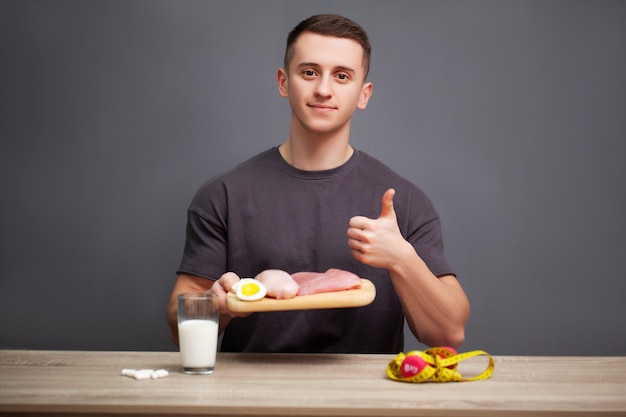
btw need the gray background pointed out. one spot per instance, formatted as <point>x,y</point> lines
<point>511,115</point>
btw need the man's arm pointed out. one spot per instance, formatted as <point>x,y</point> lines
<point>436,309</point>
<point>191,283</point>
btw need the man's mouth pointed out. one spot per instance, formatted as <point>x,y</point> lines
<point>321,107</point>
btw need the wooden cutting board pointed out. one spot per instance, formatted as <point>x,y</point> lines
<point>338,299</point>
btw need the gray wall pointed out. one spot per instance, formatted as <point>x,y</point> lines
<point>511,115</point>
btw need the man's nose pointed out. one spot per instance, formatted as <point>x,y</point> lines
<point>323,87</point>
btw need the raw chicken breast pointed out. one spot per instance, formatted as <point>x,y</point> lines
<point>279,284</point>
<point>329,281</point>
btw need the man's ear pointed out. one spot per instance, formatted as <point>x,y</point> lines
<point>366,93</point>
<point>283,82</point>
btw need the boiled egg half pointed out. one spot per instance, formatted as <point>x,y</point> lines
<point>249,289</point>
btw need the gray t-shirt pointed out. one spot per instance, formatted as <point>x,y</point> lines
<point>266,214</point>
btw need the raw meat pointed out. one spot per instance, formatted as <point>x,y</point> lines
<point>329,281</point>
<point>279,284</point>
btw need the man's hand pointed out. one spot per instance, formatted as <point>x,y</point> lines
<point>378,242</point>
<point>221,288</point>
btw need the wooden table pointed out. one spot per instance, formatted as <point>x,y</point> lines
<point>90,383</point>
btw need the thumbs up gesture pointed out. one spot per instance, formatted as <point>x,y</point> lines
<point>377,242</point>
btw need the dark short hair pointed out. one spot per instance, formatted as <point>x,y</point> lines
<point>330,25</point>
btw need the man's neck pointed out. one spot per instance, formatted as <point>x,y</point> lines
<point>315,155</point>
<point>316,152</point>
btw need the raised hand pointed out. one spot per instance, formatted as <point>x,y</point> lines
<point>377,242</point>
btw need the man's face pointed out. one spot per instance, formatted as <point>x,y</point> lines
<point>325,82</point>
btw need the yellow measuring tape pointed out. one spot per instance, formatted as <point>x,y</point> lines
<point>437,364</point>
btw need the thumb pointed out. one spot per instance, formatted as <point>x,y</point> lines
<point>387,210</point>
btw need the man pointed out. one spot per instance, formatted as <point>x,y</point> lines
<point>289,208</point>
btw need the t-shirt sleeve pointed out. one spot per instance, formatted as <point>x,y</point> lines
<point>426,235</point>
<point>205,252</point>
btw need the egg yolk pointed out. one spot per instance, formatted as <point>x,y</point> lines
<point>249,289</point>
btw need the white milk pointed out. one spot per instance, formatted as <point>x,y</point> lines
<point>198,343</point>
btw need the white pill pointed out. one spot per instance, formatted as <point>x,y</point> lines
<point>161,373</point>
<point>143,374</point>
<point>129,372</point>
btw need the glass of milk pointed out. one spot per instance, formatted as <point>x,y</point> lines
<point>198,315</point>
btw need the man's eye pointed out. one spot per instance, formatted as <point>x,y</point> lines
<point>308,73</point>
<point>343,77</point>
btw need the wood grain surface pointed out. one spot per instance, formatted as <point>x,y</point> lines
<point>90,383</point>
